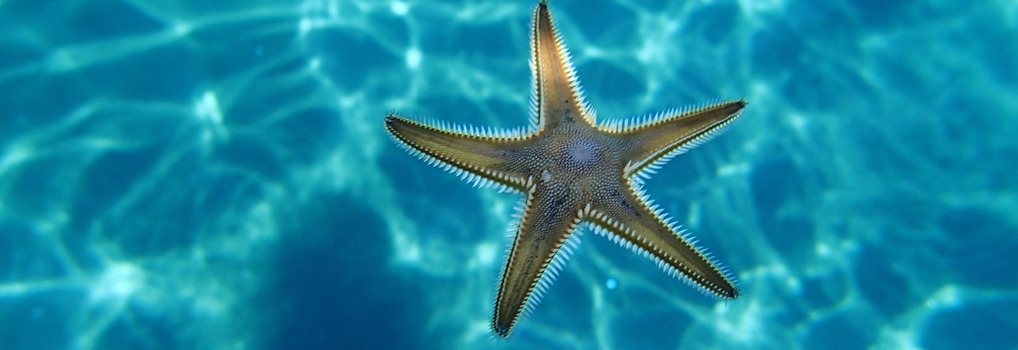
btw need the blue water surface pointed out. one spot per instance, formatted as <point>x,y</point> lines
<point>216,175</point>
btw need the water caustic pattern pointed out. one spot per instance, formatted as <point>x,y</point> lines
<point>215,175</point>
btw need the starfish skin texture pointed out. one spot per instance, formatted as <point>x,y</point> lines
<point>572,170</point>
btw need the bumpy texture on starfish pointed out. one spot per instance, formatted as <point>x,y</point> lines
<point>573,170</point>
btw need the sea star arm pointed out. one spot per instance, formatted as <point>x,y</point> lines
<point>557,97</point>
<point>631,223</point>
<point>548,218</point>
<point>670,134</point>
<point>484,156</point>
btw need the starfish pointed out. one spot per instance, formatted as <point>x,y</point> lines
<point>572,170</point>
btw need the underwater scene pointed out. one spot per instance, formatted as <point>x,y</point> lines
<point>219,174</point>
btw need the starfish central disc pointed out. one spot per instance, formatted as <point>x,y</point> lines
<point>583,152</point>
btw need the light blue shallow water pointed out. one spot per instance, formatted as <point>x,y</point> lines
<point>215,175</point>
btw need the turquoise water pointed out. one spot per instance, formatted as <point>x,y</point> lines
<point>215,175</point>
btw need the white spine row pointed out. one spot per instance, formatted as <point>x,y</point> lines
<point>647,120</point>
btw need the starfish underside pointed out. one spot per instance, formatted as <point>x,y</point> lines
<point>572,170</point>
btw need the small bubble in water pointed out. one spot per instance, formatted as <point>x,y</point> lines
<point>611,283</point>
